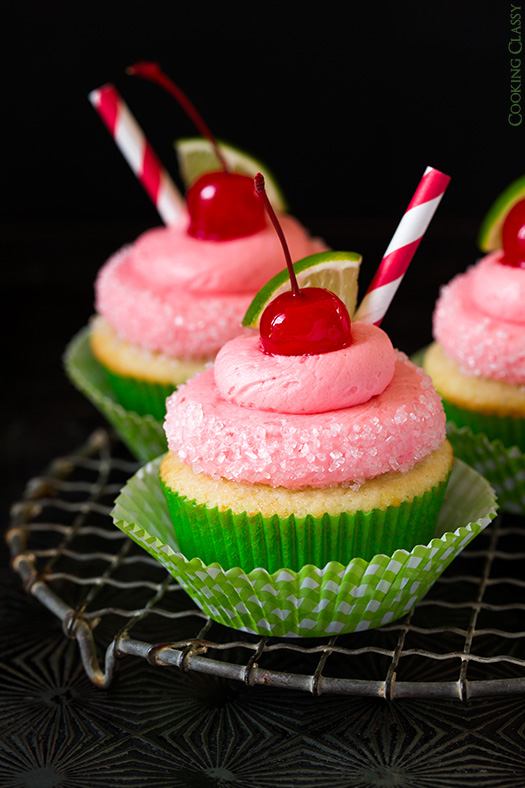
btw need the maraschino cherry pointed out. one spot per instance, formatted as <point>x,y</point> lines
<point>513,236</point>
<point>222,205</point>
<point>301,322</point>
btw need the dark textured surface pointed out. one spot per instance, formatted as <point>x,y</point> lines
<point>160,727</point>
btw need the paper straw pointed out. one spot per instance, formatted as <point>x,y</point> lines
<point>402,247</point>
<point>137,151</point>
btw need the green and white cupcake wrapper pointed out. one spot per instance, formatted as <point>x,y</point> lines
<point>143,435</point>
<point>502,464</point>
<point>312,602</point>
<point>251,541</point>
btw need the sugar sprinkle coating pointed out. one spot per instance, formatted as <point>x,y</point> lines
<point>392,432</point>
<point>484,340</point>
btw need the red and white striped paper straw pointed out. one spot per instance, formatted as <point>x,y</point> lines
<point>138,152</point>
<point>402,247</point>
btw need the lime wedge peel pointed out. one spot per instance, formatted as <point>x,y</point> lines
<point>489,236</point>
<point>335,271</point>
<point>196,156</point>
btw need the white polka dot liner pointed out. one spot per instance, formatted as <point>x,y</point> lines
<point>312,602</point>
<point>143,435</point>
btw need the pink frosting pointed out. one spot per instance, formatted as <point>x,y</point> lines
<point>247,376</point>
<point>241,265</point>
<point>391,432</point>
<point>480,321</point>
<point>169,320</point>
<point>185,297</point>
<point>498,289</point>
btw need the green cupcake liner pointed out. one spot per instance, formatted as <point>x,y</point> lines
<point>142,396</point>
<point>311,602</point>
<point>142,434</point>
<point>238,539</point>
<point>510,431</point>
<point>498,456</point>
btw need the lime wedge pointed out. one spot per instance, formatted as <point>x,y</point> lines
<point>489,237</point>
<point>196,156</point>
<point>335,271</point>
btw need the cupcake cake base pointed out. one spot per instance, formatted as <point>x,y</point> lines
<point>141,380</point>
<point>261,526</point>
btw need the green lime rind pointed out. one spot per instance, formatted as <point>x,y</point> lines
<point>196,156</point>
<point>489,236</point>
<point>143,435</point>
<point>303,268</point>
<point>311,602</point>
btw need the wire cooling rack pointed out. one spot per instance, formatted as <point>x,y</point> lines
<point>465,639</point>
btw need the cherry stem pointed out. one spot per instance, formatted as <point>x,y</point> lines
<point>261,193</point>
<point>154,73</point>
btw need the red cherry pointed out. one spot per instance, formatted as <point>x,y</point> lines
<point>513,236</point>
<point>314,321</point>
<point>301,322</point>
<point>224,205</point>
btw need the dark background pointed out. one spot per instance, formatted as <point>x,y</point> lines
<point>347,105</point>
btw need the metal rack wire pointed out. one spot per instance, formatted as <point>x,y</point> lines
<point>466,639</point>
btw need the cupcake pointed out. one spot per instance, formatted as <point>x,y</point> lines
<point>166,303</point>
<point>477,361</point>
<point>314,441</point>
<point>309,488</point>
<point>312,459</point>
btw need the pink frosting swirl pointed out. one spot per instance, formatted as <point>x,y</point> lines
<point>498,289</point>
<point>247,376</point>
<point>168,256</point>
<point>184,297</point>
<point>168,320</point>
<point>480,321</point>
<point>393,431</point>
